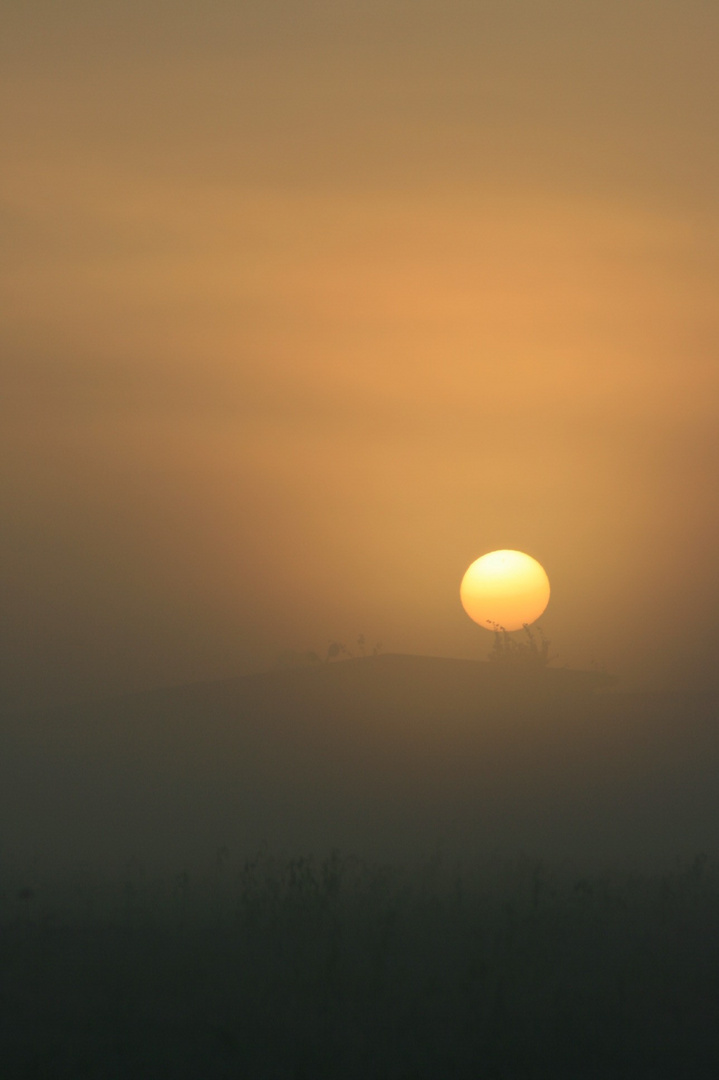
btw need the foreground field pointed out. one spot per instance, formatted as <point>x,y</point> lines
<point>332,968</point>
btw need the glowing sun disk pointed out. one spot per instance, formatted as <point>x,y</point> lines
<point>505,588</point>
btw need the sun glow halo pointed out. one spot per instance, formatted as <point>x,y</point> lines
<point>506,589</point>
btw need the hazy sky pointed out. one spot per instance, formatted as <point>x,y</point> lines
<point>305,306</point>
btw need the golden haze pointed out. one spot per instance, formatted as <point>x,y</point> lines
<point>301,309</point>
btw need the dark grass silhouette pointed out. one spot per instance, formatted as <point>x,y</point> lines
<point>332,968</point>
<point>132,945</point>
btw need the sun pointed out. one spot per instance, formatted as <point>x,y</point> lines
<point>505,589</point>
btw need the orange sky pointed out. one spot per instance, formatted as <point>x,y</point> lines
<point>306,306</point>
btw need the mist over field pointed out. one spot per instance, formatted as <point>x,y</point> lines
<point>389,757</point>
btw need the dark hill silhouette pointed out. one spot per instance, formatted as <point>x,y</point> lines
<point>386,756</point>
